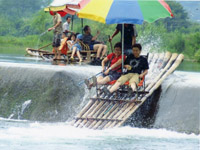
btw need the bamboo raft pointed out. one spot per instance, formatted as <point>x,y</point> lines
<point>36,52</point>
<point>103,112</point>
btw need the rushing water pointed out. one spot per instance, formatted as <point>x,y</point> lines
<point>26,135</point>
<point>23,135</point>
<point>22,59</point>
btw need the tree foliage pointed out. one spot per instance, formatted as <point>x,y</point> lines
<point>27,20</point>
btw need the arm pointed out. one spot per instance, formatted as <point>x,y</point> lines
<point>55,26</point>
<point>113,66</point>
<point>133,40</point>
<point>114,34</point>
<point>119,62</point>
<point>67,31</point>
<point>103,63</point>
<point>95,37</point>
<point>144,73</point>
<point>134,35</point>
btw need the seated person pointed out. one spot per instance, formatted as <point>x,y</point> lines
<point>94,45</point>
<point>137,67</point>
<point>75,47</point>
<point>113,71</point>
<point>63,47</point>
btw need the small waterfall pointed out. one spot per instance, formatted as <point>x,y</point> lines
<point>179,104</point>
<point>41,92</point>
<point>173,106</point>
<point>25,105</point>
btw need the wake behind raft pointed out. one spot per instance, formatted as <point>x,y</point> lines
<point>103,111</point>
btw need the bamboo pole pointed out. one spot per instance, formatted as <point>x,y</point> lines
<point>44,46</point>
<point>100,115</point>
<point>105,116</point>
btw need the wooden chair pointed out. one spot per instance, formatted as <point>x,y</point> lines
<point>140,87</point>
<point>86,50</point>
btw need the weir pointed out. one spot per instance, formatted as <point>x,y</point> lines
<point>50,91</point>
<point>50,94</point>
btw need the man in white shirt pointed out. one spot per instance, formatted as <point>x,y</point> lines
<point>66,26</point>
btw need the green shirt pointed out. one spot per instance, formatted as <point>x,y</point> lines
<point>56,19</point>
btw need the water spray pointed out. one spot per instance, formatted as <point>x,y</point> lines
<point>44,33</point>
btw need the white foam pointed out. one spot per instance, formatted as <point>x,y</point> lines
<point>60,130</point>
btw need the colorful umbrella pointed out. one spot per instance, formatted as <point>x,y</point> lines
<point>64,7</point>
<point>125,11</point>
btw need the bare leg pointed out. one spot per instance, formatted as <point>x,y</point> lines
<point>104,51</point>
<point>55,52</point>
<point>98,47</point>
<point>103,80</point>
<point>59,53</point>
<point>115,87</point>
<point>73,52</point>
<point>99,79</point>
<point>79,56</point>
<point>133,86</point>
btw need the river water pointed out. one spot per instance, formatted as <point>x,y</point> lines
<point>28,135</point>
<point>25,135</point>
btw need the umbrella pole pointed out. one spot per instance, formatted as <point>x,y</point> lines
<point>122,48</point>
<point>82,25</point>
<point>72,23</point>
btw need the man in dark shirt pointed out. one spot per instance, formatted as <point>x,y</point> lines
<point>137,67</point>
<point>93,44</point>
<point>130,35</point>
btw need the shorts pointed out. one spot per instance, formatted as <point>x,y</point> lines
<point>78,47</point>
<point>113,75</point>
<point>91,47</point>
<point>131,77</point>
<point>56,40</point>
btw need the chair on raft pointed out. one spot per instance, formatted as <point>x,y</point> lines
<point>89,54</point>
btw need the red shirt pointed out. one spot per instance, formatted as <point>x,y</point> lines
<point>114,59</point>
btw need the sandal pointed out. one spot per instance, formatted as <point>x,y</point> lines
<point>71,59</point>
<point>87,82</point>
<point>94,79</point>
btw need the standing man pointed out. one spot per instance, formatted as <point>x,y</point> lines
<point>66,26</point>
<point>57,27</point>
<point>130,35</point>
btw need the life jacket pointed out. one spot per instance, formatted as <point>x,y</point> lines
<point>63,47</point>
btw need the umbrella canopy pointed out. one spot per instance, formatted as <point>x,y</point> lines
<point>64,7</point>
<point>125,11</point>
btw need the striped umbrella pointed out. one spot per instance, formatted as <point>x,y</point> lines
<point>64,7</point>
<point>125,11</point>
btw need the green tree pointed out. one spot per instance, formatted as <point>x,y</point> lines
<point>179,20</point>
